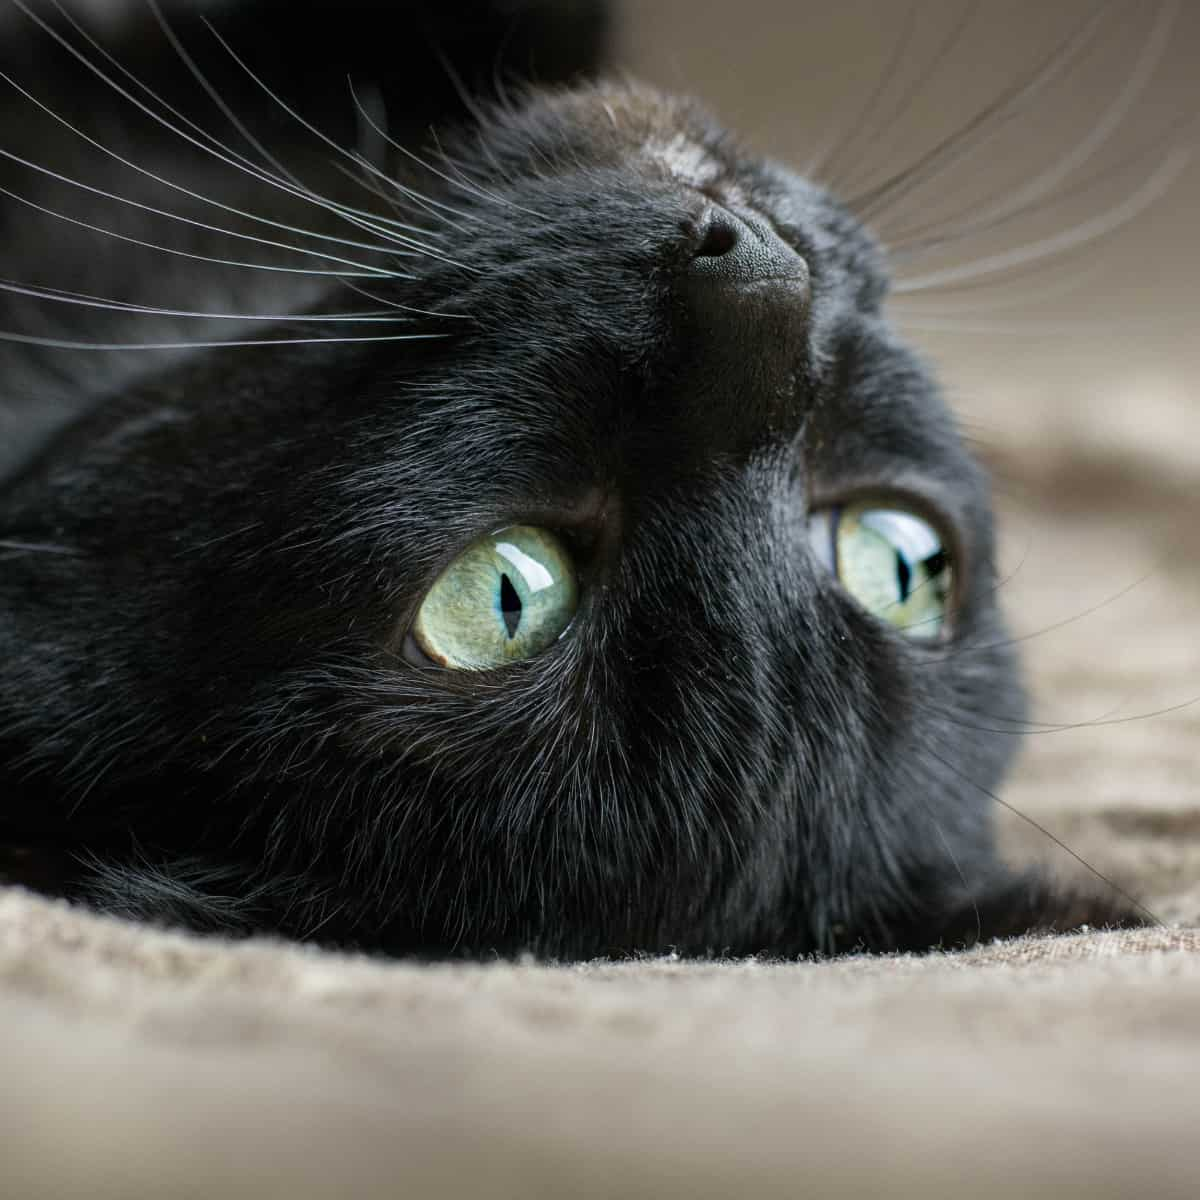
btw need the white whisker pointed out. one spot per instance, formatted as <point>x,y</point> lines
<point>207,258</point>
<point>982,127</point>
<point>147,90</point>
<point>9,546</point>
<point>463,184</point>
<point>364,219</point>
<point>396,203</point>
<point>61,344</point>
<point>1032,328</point>
<point>1070,239</point>
<point>1022,297</point>
<point>213,95</point>
<point>291,112</point>
<point>1019,202</point>
<point>178,187</point>
<point>826,159</point>
<point>937,236</point>
<point>863,151</point>
<point>380,272</point>
<point>222,153</point>
<point>86,301</point>
<point>421,312</point>
<point>377,226</point>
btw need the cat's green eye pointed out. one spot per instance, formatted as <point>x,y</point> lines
<point>891,561</point>
<point>506,597</point>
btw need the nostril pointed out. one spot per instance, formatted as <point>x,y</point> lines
<point>740,250</point>
<point>718,236</point>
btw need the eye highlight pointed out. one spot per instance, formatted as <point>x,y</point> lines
<point>891,561</point>
<point>505,598</point>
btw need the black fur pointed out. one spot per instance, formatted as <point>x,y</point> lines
<point>206,713</point>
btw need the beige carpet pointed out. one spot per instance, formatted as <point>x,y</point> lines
<point>146,1065</point>
<point>143,1064</point>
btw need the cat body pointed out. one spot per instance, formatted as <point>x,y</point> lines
<point>585,310</point>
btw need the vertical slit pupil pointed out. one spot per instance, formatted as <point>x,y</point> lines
<point>903,576</point>
<point>510,606</point>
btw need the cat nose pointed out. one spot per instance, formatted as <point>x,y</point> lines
<point>743,250</point>
<point>740,306</point>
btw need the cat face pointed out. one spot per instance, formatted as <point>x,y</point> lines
<point>621,584</point>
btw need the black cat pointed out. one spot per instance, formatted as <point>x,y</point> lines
<point>549,546</point>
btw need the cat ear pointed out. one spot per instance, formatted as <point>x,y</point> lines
<point>1011,903</point>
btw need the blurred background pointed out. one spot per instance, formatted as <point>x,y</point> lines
<point>1075,375</point>
<point>864,88</point>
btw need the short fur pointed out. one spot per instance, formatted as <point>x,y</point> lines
<point>207,715</point>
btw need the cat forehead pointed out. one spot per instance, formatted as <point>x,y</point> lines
<point>673,146</point>
<point>689,162</point>
<point>655,136</point>
<point>628,122</point>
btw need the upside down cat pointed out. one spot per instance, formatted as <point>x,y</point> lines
<point>528,534</point>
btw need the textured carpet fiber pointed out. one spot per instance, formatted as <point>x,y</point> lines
<point>144,1064</point>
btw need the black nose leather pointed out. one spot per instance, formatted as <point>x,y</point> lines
<point>742,301</point>
<point>743,250</point>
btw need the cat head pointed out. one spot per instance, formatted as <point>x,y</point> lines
<point>597,572</point>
